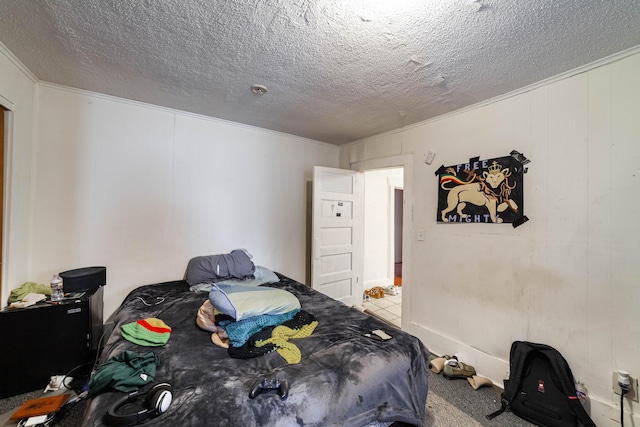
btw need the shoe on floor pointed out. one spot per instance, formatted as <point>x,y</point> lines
<point>375,292</point>
<point>391,290</point>
<point>477,381</point>
<point>458,370</point>
<point>437,363</point>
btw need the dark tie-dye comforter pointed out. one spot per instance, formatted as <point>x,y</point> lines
<point>343,379</point>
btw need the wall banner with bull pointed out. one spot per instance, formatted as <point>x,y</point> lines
<point>483,191</point>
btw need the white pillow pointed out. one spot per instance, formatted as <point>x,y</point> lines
<point>242,301</point>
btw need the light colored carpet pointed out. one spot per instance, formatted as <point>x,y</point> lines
<point>441,413</point>
<point>456,403</point>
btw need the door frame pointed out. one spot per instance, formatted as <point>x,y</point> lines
<point>405,161</point>
<point>6,109</point>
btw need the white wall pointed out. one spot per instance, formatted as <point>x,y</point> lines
<point>378,225</point>
<point>568,277</point>
<point>17,91</point>
<point>142,189</point>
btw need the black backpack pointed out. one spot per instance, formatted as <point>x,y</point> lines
<point>541,388</point>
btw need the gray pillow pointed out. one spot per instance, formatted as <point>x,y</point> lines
<point>214,268</point>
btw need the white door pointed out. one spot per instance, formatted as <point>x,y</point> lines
<point>336,252</point>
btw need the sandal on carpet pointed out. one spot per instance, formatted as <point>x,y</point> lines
<point>458,370</point>
<point>477,381</point>
<point>437,363</point>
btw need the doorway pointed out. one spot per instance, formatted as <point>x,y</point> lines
<point>398,224</point>
<point>383,232</point>
<point>402,239</point>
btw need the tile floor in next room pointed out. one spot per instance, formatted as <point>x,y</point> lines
<point>388,308</point>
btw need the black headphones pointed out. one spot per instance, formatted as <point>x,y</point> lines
<point>156,403</point>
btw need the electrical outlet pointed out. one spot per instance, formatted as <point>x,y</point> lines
<point>633,392</point>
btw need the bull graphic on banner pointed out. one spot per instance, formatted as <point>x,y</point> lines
<point>482,191</point>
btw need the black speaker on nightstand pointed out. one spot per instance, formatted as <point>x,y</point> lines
<point>87,279</point>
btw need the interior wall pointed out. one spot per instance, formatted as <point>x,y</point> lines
<point>378,209</point>
<point>17,91</point>
<point>568,276</point>
<point>142,190</point>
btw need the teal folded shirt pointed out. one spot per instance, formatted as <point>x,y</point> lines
<point>239,332</point>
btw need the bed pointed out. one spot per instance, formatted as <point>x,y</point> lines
<point>345,377</point>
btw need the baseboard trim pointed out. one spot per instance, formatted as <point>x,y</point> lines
<point>486,365</point>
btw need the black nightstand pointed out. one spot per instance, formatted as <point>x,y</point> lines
<point>48,339</point>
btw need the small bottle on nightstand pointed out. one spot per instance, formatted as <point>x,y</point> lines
<point>57,292</point>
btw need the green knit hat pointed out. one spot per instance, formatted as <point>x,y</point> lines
<point>148,332</point>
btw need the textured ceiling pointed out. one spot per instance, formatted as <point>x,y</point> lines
<point>336,70</point>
